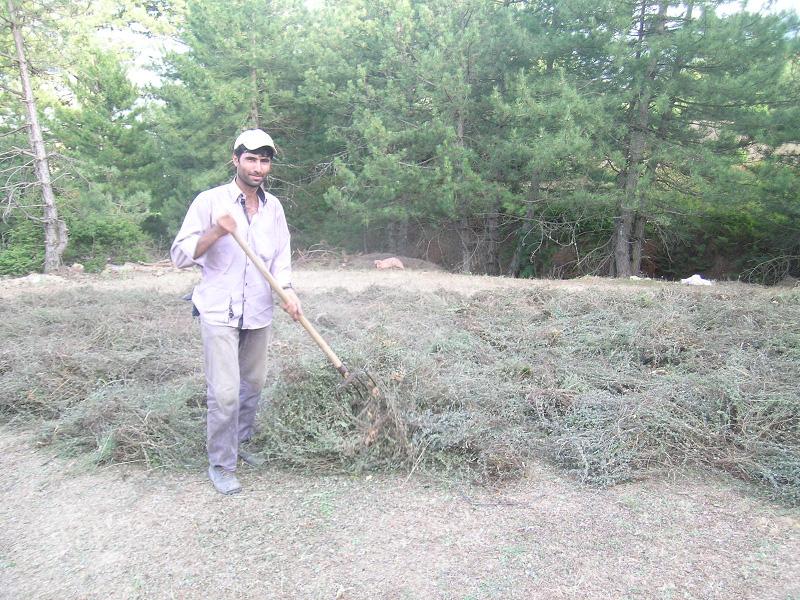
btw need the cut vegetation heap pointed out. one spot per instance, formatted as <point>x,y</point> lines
<point>610,383</point>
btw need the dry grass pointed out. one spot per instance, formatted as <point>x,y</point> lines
<point>610,383</point>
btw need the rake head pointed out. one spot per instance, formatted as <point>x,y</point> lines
<point>367,401</point>
<point>361,383</point>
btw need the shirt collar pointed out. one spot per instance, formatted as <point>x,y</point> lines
<point>236,193</point>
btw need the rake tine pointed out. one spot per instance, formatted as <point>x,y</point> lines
<point>351,382</point>
<point>363,383</point>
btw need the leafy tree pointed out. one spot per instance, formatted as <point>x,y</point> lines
<point>510,135</point>
<point>547,146</point>
<point>17,23</point>
<point>83,141</point>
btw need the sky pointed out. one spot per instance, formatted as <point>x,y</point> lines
<point>788,5</point>
<point>766,5</point>
<point>777,5</point>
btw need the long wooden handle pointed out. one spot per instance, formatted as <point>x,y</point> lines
<point>338,364</point>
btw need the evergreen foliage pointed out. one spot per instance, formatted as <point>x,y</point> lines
<point>530,138</point>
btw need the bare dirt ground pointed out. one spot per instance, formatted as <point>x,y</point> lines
<point>122,532</point>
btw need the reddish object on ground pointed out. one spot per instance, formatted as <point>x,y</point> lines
<point>389,263</point>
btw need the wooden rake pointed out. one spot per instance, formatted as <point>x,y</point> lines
<point>361,382</point>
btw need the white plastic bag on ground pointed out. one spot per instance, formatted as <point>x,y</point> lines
<point>696,280</point>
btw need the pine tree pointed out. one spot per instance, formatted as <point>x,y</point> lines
<point>55,230</point>
<point>689,84</point>
<point>236,71</point>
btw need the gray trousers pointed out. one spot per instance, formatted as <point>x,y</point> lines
<point>236,371</point>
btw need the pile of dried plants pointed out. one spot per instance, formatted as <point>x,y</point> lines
<point>610,383</point>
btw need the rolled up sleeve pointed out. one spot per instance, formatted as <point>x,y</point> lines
<point>197,220</point>
<point>281,267</point>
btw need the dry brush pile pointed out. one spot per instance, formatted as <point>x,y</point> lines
<point>610,384</point>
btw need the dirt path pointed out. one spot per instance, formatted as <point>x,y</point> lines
<point>122,532</point>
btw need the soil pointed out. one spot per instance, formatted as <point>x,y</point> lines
<point>70,531</point>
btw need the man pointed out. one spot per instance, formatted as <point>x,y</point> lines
<point>233,299</point>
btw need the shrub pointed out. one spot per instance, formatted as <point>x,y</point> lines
<point>101,232</point>
<point>21,247</point>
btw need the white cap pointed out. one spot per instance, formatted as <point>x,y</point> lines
<point>253,139</point>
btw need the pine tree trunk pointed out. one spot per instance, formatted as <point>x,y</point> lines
<point>626,242</point>
<point>255,117</point>
<point>491,262</point>
<point>55,230</point>
<point>465,233</point>
<point>525,229</point>
<point>637,241</point>
<point>466,237</point>
<point>397,236</point>
<point>623,229</point>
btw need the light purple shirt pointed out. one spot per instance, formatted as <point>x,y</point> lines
<point>232,287</point>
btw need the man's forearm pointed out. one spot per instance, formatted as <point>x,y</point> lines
<point>207,239</point>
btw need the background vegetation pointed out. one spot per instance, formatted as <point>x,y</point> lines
<point>533,138</point>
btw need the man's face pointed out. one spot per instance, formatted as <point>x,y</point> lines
<point>251,169</point>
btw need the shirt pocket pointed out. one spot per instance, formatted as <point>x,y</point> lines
<point>263,245</point>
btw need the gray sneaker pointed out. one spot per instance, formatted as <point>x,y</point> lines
<point>225,482</point>
<point>254,460</point>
